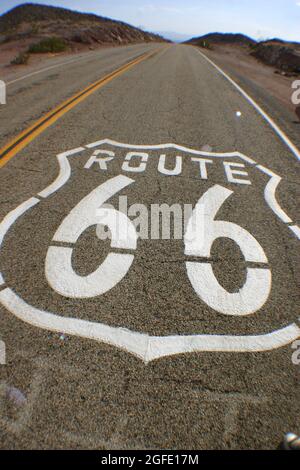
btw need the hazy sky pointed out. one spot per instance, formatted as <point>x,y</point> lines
<point>257,18</point>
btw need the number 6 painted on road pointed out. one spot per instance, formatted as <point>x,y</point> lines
<point>201,233</point>
<point>59,272</point>
<point>257,287</point>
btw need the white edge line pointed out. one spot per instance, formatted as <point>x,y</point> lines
<point>71,61</point>
<point>144,346</point>
<point>12,216</point>
<point>1,280</point>
<point>270,194</point>
<point>77,59</point>
<point>258,108</point>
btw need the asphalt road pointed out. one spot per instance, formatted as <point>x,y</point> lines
<point>172,343</point>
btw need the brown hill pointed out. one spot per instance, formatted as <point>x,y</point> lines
<point>221,38</point>
<point>32,23</point>
<point>283,55</point>
<point>280,54</point>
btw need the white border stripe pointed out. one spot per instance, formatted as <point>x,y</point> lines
<point>274,126</point>
<point>11,218</point>
<point>173,345</point>
<point>134,343</point>
<point>64,172</point>
<point>148,348</point>
<point>296,230</point>
<point>270,194</point>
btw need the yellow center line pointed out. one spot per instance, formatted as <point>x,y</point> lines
<point>27,136</point>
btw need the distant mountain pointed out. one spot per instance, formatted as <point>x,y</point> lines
<point>173,36</point>
<point>222,38</point>
<point>37,22</point>
<point>282,42</point>
<point>278,53</point>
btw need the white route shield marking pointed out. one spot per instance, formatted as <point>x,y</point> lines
<point>64,280</point>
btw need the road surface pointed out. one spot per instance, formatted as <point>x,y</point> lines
<point>151,340</point>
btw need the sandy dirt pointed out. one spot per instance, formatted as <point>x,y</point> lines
<point>238,59</point>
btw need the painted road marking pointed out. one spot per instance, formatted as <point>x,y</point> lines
<point>58,267</point>
<point>61,277</point>
<point>256,290</point>
<point>13,216</point>
<point>270,191</point>
<point>64,172</point>
<point>296,230</point>
<point>170,146</point>
<point>258,108</point>
<point>148,348</point>
<point>27,136</point>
